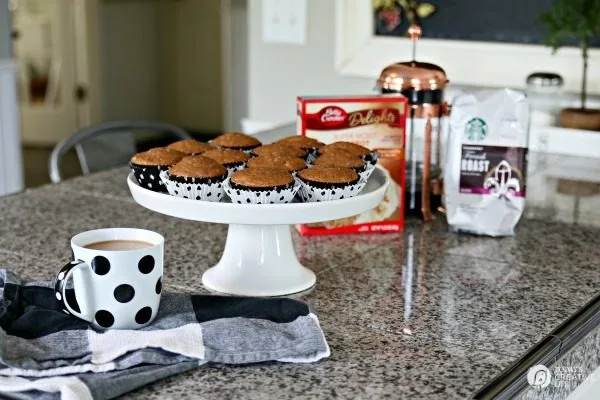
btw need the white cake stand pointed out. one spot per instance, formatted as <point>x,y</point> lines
<point>259,257</point>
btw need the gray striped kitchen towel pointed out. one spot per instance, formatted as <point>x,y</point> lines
<point>47,354</point>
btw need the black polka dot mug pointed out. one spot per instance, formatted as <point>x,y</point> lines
<point>116,275</point>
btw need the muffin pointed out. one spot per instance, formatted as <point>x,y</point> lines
<point>197,178</point>
<point>236,141</point>
<point>233,160</point>
<point>309,144</point>
<point>289,164</point>
<point>191,147</point>
<point>279,150</point>
<point>329,183</point>
<point>352,148</point>
<point>340,158</point>
<point>148,165</point>
<point>261,186</point>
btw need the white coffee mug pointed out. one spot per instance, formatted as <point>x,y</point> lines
<point>114,289</point>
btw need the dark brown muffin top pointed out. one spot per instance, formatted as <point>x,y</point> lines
<point>191,146</point>
<point>300,141</point>
<point>279,149</point>
<point>197,167</point>
<point>262,177</point>
<point>236,140</point>
<point>159,156</point>
<point>333,175</point>
<point>227,156</point>
<point>339,158</point>
<point>353,148</point>
<point>289,164</point>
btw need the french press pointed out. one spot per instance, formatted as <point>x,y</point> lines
<point>423,85</point>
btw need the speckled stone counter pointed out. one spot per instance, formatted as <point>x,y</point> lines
<point>440,327</point>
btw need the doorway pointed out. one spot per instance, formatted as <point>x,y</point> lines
<point>87,61</point>
<point>45,49</point>
<point>50,40</point>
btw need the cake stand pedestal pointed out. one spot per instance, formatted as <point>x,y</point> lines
<point>259,257</point>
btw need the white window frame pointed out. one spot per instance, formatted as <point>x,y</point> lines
<point>359,53</point>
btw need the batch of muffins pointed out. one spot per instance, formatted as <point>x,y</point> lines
<point>241,168</point>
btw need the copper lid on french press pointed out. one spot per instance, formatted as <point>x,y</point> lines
<point>412,75</point>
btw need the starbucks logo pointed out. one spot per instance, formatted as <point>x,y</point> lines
<point>476,129</point>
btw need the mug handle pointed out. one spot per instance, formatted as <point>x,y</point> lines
<point>60,289</point>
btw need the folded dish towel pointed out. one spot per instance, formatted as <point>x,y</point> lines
<point>46,354</point>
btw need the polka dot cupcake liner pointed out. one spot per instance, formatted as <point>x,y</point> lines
<point>249,196</point>
<point>149,177</point>
<point>311,157</point>
<point>201,190</point>
<point>371,159</point>
<point>232,169</point>
<point>366,173</point>
<point>309,193</point>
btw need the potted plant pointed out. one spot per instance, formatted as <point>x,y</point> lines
<point>579,20</point>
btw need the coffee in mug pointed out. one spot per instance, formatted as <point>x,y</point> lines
<point>117,277</point>
<point>118,245</point>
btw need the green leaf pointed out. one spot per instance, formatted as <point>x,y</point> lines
<point>571,19</point>
<point>424,10</point>
<point>379,4</point>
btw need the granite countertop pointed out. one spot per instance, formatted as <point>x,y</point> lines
<point>440,327</point>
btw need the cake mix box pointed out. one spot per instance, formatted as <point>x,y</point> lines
<point>376,122</point>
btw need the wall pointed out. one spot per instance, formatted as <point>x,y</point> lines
<point>11,165</point>
<point>192,64</point>
<point>130,54</point>
<point>278,72</point>
<point>5,30</point>
<point>238,63</point>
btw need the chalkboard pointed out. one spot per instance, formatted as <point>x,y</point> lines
<point>507,21</point>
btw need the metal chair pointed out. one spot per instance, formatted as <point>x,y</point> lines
<point>110,153</point>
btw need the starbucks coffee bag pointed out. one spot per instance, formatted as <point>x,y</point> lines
<point>486,162</point>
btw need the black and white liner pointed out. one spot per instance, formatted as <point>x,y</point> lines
<point>367,171</point>
<point>148,176</point>
<point>205,189</point>
<point>232,168</point>
<point>254,196</point>
<point>372,158</point>
<point>312,155</point>
<point>315,193</point>
<point>310,158</point>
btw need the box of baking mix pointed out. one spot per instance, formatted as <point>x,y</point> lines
<point>376,122</point>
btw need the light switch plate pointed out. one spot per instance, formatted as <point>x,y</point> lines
<point>284,21</point>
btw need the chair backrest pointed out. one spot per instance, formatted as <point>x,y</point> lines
<point>95,133</point>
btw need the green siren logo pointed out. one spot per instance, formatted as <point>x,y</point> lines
<point>476,129</point>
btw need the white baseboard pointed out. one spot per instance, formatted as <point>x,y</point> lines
<point>11,159</point>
